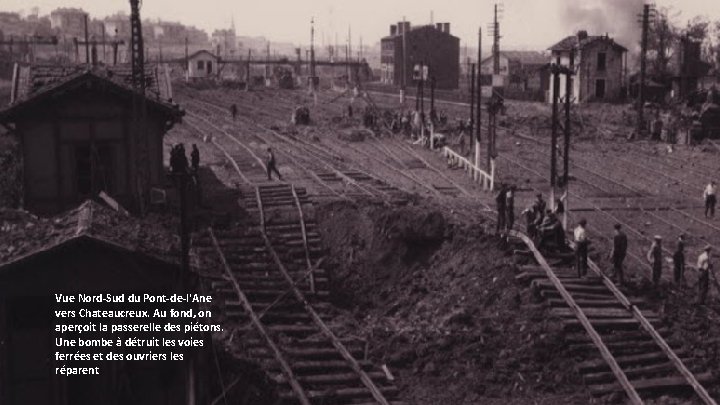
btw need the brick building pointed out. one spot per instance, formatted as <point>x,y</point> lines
<point>599,64</point>
<point>431,46</point>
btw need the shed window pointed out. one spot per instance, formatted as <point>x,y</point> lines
<point>201,65</point>
<point>601,61</point>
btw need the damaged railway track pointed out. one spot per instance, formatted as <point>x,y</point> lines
<point>637,354</point>
<point>275,292</point>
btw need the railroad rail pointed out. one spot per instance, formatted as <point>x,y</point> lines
<point>635,356</point>
<point>279,300</point>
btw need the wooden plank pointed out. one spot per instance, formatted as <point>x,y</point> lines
<point>599,312</point>
<point>594,336</point>
<point>367,381</point>
<point>648,384</point>
<point>287,371</point>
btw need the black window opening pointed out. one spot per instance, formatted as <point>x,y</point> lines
<point>94,168</point>
<point>600,88</point>
<point>201,65</point>
<point>601,61</point>
<point>209,67</point>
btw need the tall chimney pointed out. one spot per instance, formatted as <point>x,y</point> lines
<point>439,26</point>
<point>582,35</point>
<point>446,28</point>
<point>400,27</point>
<point>393,30</point>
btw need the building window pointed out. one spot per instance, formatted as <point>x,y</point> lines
<point>209,67</point>
<point>201,65</point>
<point>600,88</point>
<point>601,59</point>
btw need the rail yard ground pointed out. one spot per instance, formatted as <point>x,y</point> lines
<point>411,254</point>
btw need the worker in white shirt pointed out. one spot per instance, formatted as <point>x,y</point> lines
<point>710,199</point>
<point>703,267</point>
<point>581,247</point>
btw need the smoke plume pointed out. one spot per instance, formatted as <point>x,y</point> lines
<point>617,18</point>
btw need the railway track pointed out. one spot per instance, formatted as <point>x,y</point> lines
<point>636,354</point>
<point>275,294</point>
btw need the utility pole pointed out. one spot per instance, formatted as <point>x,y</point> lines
<point>87,49</point>
<point>403,80</point>
<point>566,154</point>
<point>496,43</point>
<point>472,102</point>
<point>313,78</point>
<point>139,105</point>
<point>187,56</point>
<point>555,70</point>
<point>247,70</point>
<point>479,97</point>
<point>643,63</point>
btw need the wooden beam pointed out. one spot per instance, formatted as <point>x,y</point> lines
<point>305,242</point>
<point>594,336</point>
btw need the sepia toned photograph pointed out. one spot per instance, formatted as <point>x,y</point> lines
<point>326,202</point>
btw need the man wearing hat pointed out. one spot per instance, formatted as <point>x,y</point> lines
<point>581,247</point>
<point>679,261</point>
<point>703,267</point>
<point>618,253</point>
<point>654,256</point>
<point>501,205</point>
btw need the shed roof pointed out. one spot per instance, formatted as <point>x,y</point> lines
<point>202,51</point>
<point>573,42</point>
<point>34,83</point>
<point>24,235</point>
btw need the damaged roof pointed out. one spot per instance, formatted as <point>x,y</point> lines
<point>574,42</point>
<point>32,83</point>
<point>24,235</point>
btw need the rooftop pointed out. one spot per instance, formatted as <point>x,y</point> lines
<point>23,235</point>
<point>574,42</point>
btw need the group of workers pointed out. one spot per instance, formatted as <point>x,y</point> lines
<point>179,161</point>
<point>543,225</point>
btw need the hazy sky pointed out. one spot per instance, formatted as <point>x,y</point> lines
<point>525,24</point>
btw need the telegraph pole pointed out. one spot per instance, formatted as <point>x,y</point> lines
<point>496,43</point>
<point>312,57</point>
<point>643,63</point>
<point>566,155</point>
<point>403,81</point>
<point>87,43</point>
<point>472,102</point>
<point>479,97</point>
<point>555,69</point>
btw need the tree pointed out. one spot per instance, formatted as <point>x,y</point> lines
<point>663,35</point>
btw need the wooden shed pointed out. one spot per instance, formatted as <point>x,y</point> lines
<point>75,125</point>
<point>91,250</point>
<point>202,64</point>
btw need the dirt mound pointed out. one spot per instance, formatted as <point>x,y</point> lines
<point>441,307</point>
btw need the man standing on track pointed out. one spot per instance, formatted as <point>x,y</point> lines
<point>654,256</point>
<point>703,267</point>
<point>271,165</point>
<point>679,262</point>
<point>501,205</point>
<point>510,207</point>
<point>195,158</point>
<point>709,195</point>
<point>618,253</point>
<point>581,248</point>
